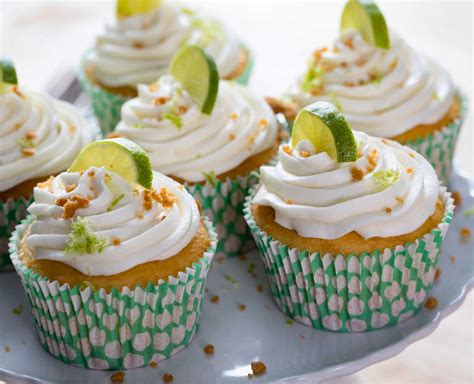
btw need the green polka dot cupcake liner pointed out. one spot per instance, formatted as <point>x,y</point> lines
<point>12,211</point>
<point>223,203</point>
<point>352,293</point>
<point>438,147</point>
<point>107,105</point>
<point>116,330</point>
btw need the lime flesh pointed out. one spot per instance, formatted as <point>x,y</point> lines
<point>326,128</point>
<point>121,156</point>
<point>366,17</point>
<point>126,8</point>
<point>198,74</point>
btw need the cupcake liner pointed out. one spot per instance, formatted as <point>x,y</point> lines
<point>116,330</point>
<point>438,147</point>
<point>353,293</point>
<point>223,203</point>
<point>12,211</point>
<point>107,105</point>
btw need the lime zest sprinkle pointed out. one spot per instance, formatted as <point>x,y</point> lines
<point>176,120</point>
<point>25,143</point>
<point>335,100</point>
<point>18,310</point>
<point>387,177</point>
<point>115,202</point>
<point>251,268</point>
<point>188,11</point>
<point>210,29</point>
<point>436,96</point>
<point>82,240</point>
<point>138,125</point>
<point>230,279</point>
<point>312,79</point>
<point>289,321</point>
<point>210,177</point>
<point>86,284</point>
<point>469,211</point>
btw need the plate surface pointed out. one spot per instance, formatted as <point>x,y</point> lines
<point>292,352</point>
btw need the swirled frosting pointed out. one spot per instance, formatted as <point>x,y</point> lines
<point>39,136</point>
<point>183,142</point>
<point>390,190</point>
<point>133,226</point>
<point>139,48</point>
<point>381,92</point>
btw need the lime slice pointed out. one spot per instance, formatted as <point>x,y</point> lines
<point>7,75</point>
<point>326,128</point>
<point>365,17</point>
<point>127,8</point>
<point>197,72</point>
<point>119,155</point>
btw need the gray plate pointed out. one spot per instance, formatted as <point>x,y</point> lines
<point>292,352</point>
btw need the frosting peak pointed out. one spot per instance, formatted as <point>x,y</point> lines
<point>389,190</point>
<point>99,224</point>
<point>382,92</point>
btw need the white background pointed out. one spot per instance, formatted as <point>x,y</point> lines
<point>45,38</point>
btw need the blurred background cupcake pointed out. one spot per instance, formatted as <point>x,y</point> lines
<point>39,136</point>
<point>137,47</point>
<point>210,135</point>
<point>384,87</point>
<point>349,226</point>
<point>115,256</point>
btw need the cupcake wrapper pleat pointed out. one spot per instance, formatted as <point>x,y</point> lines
<point>116,330</point>
<point>223,203</point>
<point>352,293</point>
<point>107,105</point>
<point>12,211</point>
<point>438,147</point>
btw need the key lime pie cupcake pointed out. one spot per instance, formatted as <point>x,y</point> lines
<point>384,87</point>
<point>210,135</point>
<point>349,226</point>
<point>113,259</point>
<point>138,47</point>
<point>39,137</point>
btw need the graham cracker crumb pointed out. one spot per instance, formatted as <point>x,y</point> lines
<point>242,307</point>
<point>71,187</point>
<point>30,135</point>
<point>401,200</point>
<point>431,303</point>
<point>164,197</point>
<point>182,109</point>
<point>72,128</point>
<point>234,116</point>
<point>243,257</point>
<point>118,377</point>
<point>452,258</point>
<point>161,100</point>
<point>153,364</point>
<point>168,378</point>
<point>289,201</point>
<point>231,137</point>
<point>410,170</point>
<point>288,150</point>
<point>457,197</point>
<point>147,200</point>
<point>209,349</point>
<point>465,234</point>
<point>61,201</point>
<point>263,123</point>
<point>70,209</point>
<point>215,299</point>
<point>357,173</point>
<point>112,135</point>
<point>153,87</point>
<point>249,376</point>
<point>388,210</point>
<point>258,368</point>
<point>260,288</point>
<point>7,348</point>
<point>220,259</point>
<point>138,44</point>
<point>301,337</point>
<point>305,154</point>
<point>81,201</point>
<point>27,152</point>
<point>437,273</point>
<point>116,241</point>
<point>46,184</point>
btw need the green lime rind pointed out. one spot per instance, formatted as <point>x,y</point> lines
<point>7,74</point>
<point>197,72</point>
<point>126,8</point>
<point>326,128</point>
<point>366,17</point>
<point>118,155</point>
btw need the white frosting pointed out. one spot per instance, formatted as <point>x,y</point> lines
<point>241,125</point>
<point>139,48</point>
<point>408,89</point>
<point>161,232</point>
<point>319,198</point>
<point>59,134</point>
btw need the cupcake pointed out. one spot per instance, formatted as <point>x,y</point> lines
<point>114,270</point>
<point>349,226</point>
<point>385,88</point>
<point>39,137</point>
<point>213,146</point>
<point>137,47</point>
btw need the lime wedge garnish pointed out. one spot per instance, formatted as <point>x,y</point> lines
<point>127,8</point>
<point>7,75</point>
<point>119,155</point>
<point>326,128</point>
<point>197,72</point>
<point>365,17</point>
